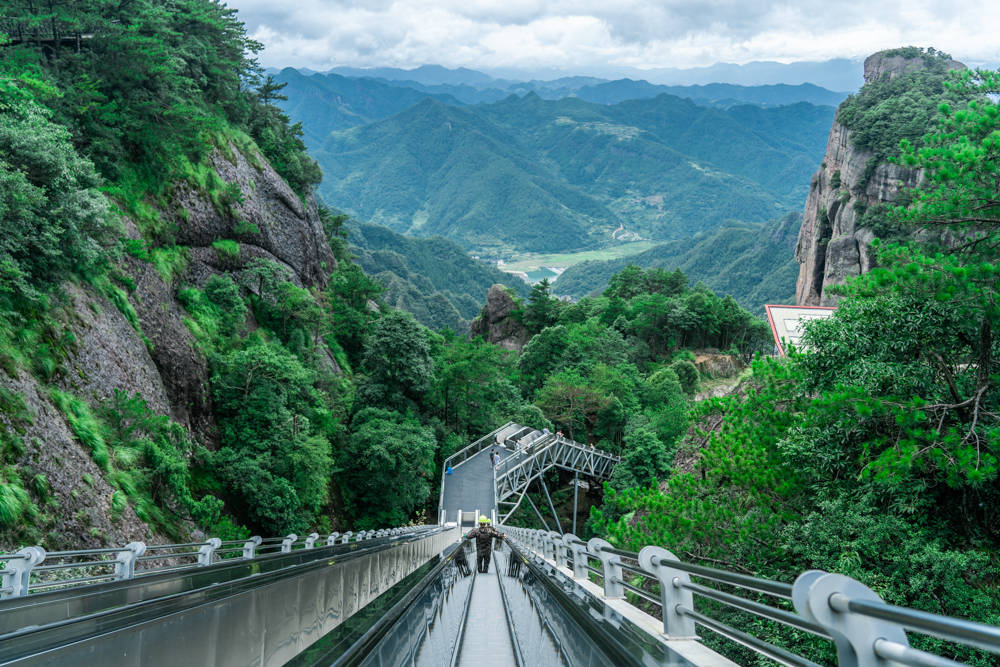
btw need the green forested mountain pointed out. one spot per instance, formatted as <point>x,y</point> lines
<point>441,170</point>
<point>324,103</point>
<point>535,174</point>
<point>751,262</point>
<point>432,278</point>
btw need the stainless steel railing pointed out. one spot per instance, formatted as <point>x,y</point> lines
<point>23,572</point>
<point>863,628</point>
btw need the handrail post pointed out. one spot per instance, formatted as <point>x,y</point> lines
<point>346,537</point>
<point>286,544</point>
<point>125,560</point>
<point>250,547</point>
<point>206,551</point>
<point>824,599</point>
<point>559,549</point>
<point>656,560</point>
<point>17,574</point>
<point>611,567</point>
<point>332,539</point>
<point>548,548</point>
<point>311,540</point>
<point>579,551</point>
<point>360,536</point>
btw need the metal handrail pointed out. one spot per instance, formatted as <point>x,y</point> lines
<point>736,602</point>
<point>980,635</point>
<point>779,655</point>
<point>20,577</point>
<point>865,629</point>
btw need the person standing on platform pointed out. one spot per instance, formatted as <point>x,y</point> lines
<point>484,536</point>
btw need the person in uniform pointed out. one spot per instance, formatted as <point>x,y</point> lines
<point>484,536</point>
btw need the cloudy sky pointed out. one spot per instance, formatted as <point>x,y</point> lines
<point>583,34</point>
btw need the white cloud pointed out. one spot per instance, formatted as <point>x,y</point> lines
<point>577,34</point>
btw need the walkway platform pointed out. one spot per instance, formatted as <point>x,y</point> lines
<point>469,487</point>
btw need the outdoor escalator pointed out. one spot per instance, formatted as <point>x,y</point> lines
<point>516,614</point>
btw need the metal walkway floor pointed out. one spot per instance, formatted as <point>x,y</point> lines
<point>487,639</point>
<point>470,487</point>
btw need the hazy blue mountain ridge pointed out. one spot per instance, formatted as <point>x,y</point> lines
<point>713,94</point>
<point>325,103</point>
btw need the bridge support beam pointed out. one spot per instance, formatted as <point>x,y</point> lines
<point>576,493</point>
<point>532,503</point>
<point>545,488</point>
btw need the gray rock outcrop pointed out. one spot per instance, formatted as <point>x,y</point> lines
<point>154,354</point>
<point>832,246</point>
<point>268,219</point>
<point>496,324</point>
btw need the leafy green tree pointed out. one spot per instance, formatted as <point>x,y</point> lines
<point>569,400</point>
<point>687,374</point>
<point>387,465</point>
<point>53,220</point>
<point>541,357</point>
<point>275,456</point>
<point>471,385</point>
<point>645,459</point>
<point>269,91</point>
<point>591,343</point>
<point>223,291</point>
<point>665,405</point>
<point>542,309</point>
<point>627,283</point>
<point>397,360</point>
<point>351,296</point>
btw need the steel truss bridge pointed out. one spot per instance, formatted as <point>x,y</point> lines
<point>407,596</point>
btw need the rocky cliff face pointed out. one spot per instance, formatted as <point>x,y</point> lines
<point>159,359</point>
<point>832,246</point>
<point>495,322</point>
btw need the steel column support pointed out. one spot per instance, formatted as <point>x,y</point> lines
<point>531,502</point>
<point>576,492</point>
<point>545,488</point>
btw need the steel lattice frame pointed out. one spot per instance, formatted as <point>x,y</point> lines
<point>513,476</point>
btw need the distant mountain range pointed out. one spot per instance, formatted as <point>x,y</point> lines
<point>555,175</point>
<point>835,74</point>
<point>359,96</point>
